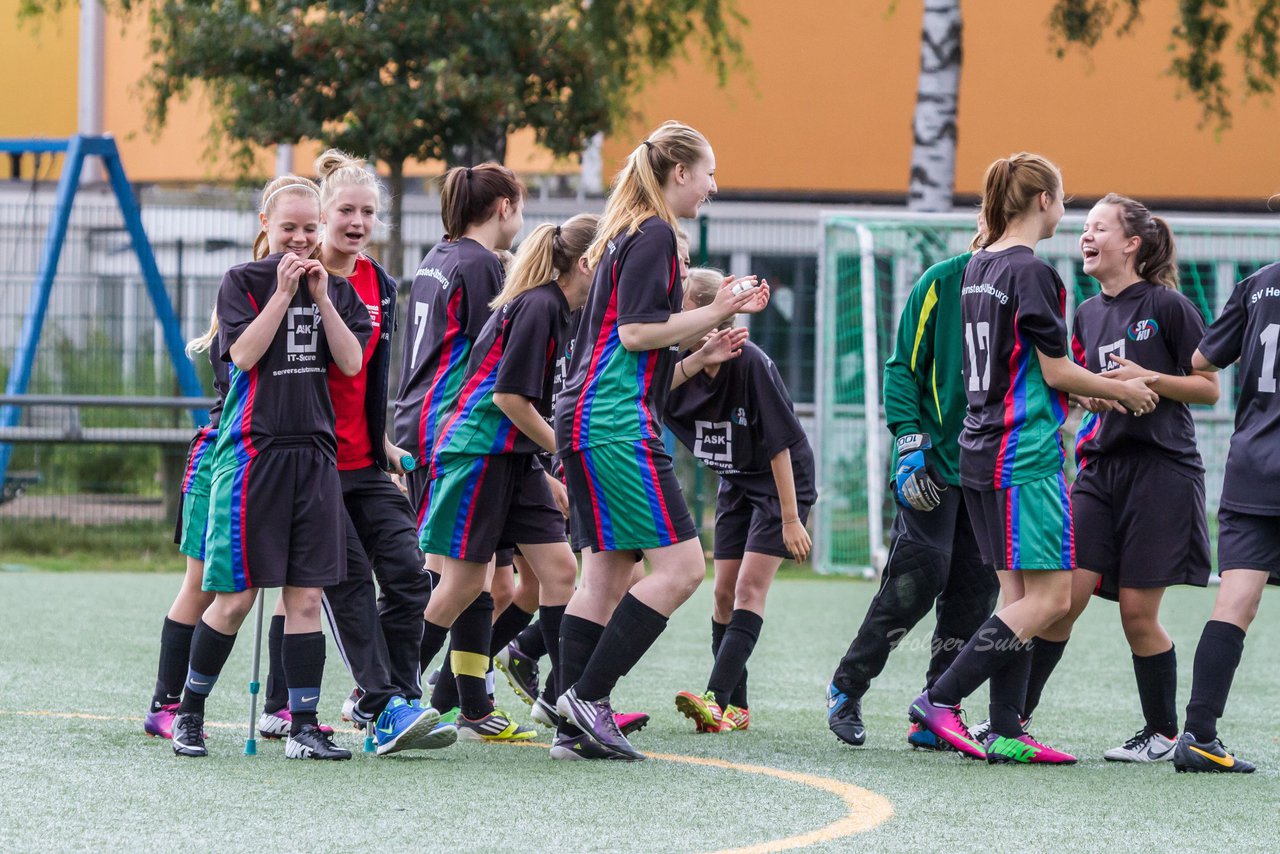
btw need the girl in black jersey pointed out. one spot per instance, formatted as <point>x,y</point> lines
<point>1247,331</point>
<point>377,631</point>
<point>738,420</point>
<point>623,495</point>
<point>1017,373</point>
<point>483,210</point>
<point>1138,478</point>
<point>290,223</point>
<point>275,512</point>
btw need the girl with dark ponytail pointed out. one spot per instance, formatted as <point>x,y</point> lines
<point>1017,376</point>
<point>1137,479</point>
<point>482,209</point>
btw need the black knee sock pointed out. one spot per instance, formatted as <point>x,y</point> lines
<point>1045,656</point>
<point>277,696</point>
<point>303,671</point>
<point>175,655</point>
<point>210,650</point>
<point>469,656</point>
<point>1157,677</point>
<point>731,662</point>
<point>578,640</point>
<point>739,696</point>
<point>509,624</point>
<point>549,620</point>
<point>632,629</point>
<point>530,640</point>
<point>985,653</point>
<point>1009,692</point>
<point>433,638</point>
<point>1217,656</point>
<point>444,696</point>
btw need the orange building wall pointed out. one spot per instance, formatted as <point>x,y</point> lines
<point>832,89</point>
<point>38,66</point>
<point>824,104</point>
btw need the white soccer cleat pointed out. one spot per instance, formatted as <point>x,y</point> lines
<point>1145,746</point>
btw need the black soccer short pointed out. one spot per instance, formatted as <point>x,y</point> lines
<point>478,505</point>
<point>747,522</point>
<point>1247,541</point>
<point>1140,522</point>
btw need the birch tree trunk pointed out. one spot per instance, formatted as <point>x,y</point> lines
<point>933,154</point>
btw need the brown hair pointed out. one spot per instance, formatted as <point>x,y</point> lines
<point>637,188</point>
<point>1010,187</point>
<point>470,194</point>
<point>1157,259</point>
<point>547,253</point>
<point>701,287</point>
<point>277,189</point>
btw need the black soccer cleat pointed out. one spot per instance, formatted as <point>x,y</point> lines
<point>314,743</point>
<point>844,716</point>
<point>188,735</point>
<point>1207,757</point>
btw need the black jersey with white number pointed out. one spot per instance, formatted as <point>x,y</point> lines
<point>1249,330</point>
<point>448,306</point>
<point>1158,328</point>
<point>736,422</point>
<point>286,393</point>
<point>1012,304</point>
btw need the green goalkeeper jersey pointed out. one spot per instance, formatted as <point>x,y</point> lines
<point>923,379</point>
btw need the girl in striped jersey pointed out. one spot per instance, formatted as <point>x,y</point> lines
<point>483,210</point>
<point>623,495</point>
<point>275,511</point>
<point>287,214</point>
<point>487,488</point>
<point>1017,373</point>
<point>1137,477</point>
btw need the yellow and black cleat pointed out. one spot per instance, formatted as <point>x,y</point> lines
<point>1208,757</point>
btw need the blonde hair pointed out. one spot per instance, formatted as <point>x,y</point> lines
<point>701,287</point>
<point>549,252</point>
<point>637,188</point>
<point>201,343</point>
<point>1010,187</point>
<point>504,258</point>
<point>338,169</point>
<point>277,189</point>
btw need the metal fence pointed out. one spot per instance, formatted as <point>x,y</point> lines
<point>101,338</point>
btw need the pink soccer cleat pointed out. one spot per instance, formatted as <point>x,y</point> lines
<point>945,722</point>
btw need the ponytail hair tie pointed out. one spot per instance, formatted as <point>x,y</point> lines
<point>648,144</point>
<point>468,173</point>
<point>557,231</point>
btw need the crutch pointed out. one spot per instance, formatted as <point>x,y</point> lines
<point>251,744</point>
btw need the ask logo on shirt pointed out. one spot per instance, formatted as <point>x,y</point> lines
<point>303,324</point>
<point>713,441</point>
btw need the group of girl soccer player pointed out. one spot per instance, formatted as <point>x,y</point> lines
<point>1137,356</point>
<point>528,425</point>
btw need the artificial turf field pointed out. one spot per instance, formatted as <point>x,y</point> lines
<point>77,664</point>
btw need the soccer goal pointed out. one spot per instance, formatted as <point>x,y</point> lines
<point>867,266</point>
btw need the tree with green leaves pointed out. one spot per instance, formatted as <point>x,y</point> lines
<point>397,80</point>
<point>1201,39</point>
